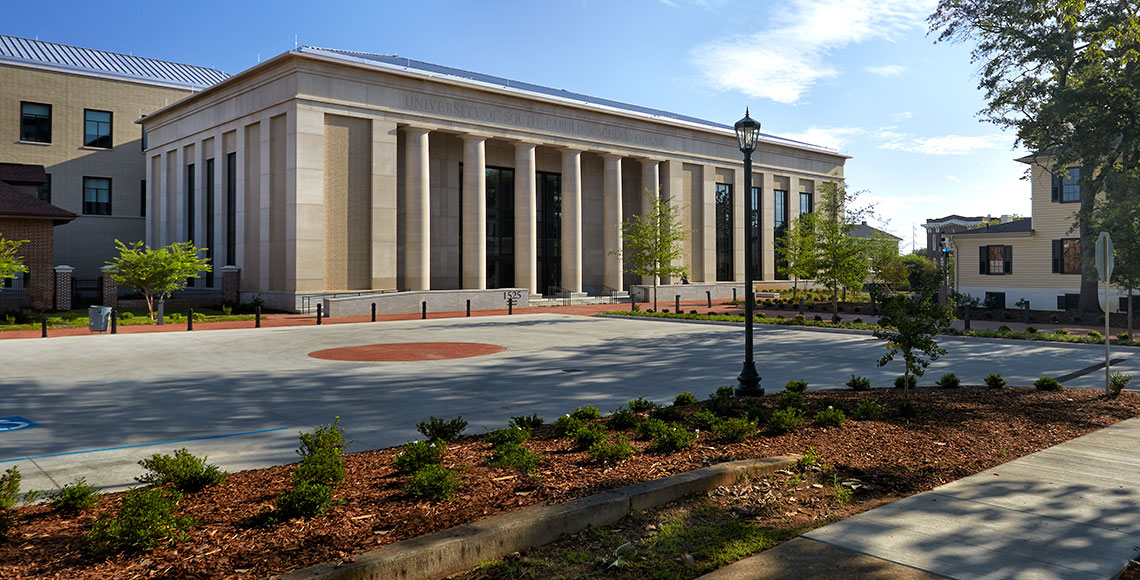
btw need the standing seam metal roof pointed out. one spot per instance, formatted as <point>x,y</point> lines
<point>87,60</point>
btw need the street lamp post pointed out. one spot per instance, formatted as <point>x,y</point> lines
<point>747,132</point>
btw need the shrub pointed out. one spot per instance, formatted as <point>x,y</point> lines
<point>949,381</point>
<point>722,402</point>
<point>867,410</point>
<point>704,420</point>
<point>792,400</point>
<point>857,320</point>
<point>1047,384</point>
<point>324,468</point>
<point>901,381</point>
<point>1004,328</point>
<point>587,436</point>
<point>817,318</point>
<point>785,420</point>
<point>835,319</point>
<point>126,315</point>
<point>1031,330</point>
<point>1122,335</point>
<point>908,410</point>
<point>586,413</point>
<point>1061,332</point>
<point>566,426</point>
<point>9,495</point>
<point>994,381</point>
<point>613,448</point>
<point>735,430</point>
<point>755,410</point>
<point>433,483</point>
<point>622,418</point>
<point>507,435</point>
<point>1117,382</point>
<point>859,383</point>
<point>685,398</point>
<point>1096,335</point>
<point>184,471</point>
<point>796,387</point>
<point>1054,319</point>
<point>650,429</point>
<point>529,423</point>
<point>670,414</point>
<point>306,500</point>
<point>809,460</point>
<point>515,456</point>
<point>145,519</point>
<point>418,454</point>
<point>830,417</point>
<point>74,497</point>
<point>436,429</point>
<point>672,438</point>
<point>800,319</point>
<point>641,404</point>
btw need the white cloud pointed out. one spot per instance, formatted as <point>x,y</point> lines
<point>785,60</point>
<point>902,116</point>
<point>947,144</point>
<point>886,71</point>
<point>954,178</point>
<point>833,137</point>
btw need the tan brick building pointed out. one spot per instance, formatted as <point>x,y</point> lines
<point>24,217</point>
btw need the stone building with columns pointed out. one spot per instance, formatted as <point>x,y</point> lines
<point>323,171</point>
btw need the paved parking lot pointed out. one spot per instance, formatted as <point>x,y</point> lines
<point>101,403</point>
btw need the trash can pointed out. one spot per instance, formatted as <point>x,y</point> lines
<point>98,318</point>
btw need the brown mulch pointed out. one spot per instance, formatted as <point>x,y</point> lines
<point>959,432</point>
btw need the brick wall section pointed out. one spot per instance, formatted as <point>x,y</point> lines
<point>110,296</point>
<point>63,287</point>
<point>231,282</point>
<point>36,255</point>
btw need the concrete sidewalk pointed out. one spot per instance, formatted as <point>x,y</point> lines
<point>1070,512</point>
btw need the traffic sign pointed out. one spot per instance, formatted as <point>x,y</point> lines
<point>1104,257</point>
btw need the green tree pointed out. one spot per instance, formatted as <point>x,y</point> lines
<point>1065,75</point>
<point>800,252</point>
<point>10,262</point>
<point>157,273</point>
<point>887,267</point>
<point>842,259</point>
<point>1119,215</point>
<point>653,244</point>
<point>909,323</point>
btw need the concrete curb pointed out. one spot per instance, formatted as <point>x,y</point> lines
<point>463,547</point>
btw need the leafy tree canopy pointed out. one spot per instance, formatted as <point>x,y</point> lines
<point>653,244</point>
<point>11,263</point>
<point>157,273</point>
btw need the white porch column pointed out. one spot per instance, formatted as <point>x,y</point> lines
<point>474,212</point>
<point>572,220</point>
<point>611,221</point>
<point>526,219</point>
<point>650,189</point>
<point>417,215</point>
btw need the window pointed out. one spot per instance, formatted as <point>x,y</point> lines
<point>231,208</point>
<point>1067,188</point>
<point>190,203</point>
<point>35,122</point>
<point>724,256</point>
<point>780,211</point>
<point>44,192</point>
<point>1067,256</point>
<point>757,251</point>
<point>97,128</point>
<point>209,218</point>
<point>96,196</point>
<point>805,203</point>
<point>995,260</point>
<point>142,198</point>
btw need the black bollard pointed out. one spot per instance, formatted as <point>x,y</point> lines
<point>468,308</point>
<point>423,310</point>
<point>801,306</point>
<point>632,303</point>
<point>734,294</point>
<point>43,327</point>
<point>966,318</point>
<point>708,296</point>
<point>114,321</point>
<point>320,308</point>
<point>373,312</point>
<point>510,306</point>
<point>1027,321</point>
<point>189,320</point>
<point>257,317</point>
<point>677,303</point>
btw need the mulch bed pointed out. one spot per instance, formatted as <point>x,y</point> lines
<point>959,432</point>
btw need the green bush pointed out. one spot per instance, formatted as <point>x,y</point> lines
<point>587,436</point>
<point>704,420</point>
<point>672,438</point>
<point>436,429</point>
<point>670,414</point>
<point>994,381</point>
<point>9,495</point>
<point>1047,384</point>
<point>796,387</point>
<point>949,381</point>
<point>586,413</point>
<point>515,456</point>
<point>785,420</point>
<point>1061,332</point>
<point>622,418</point>
<point>755,410</point>
<point>184,471</point>
<point>507,435</point>
<point>614,448</point>
<point>529,423</point>
<point>640,405</point>
<point>725,392</point>
<point>126,316</point>
<point>74,497</point>
<point>1004,328</point>
<point>735,430</point>
<point>1096,335</point>
<point>792,400</point>
<point>1031,329</point>
<point>830,417</point>
<point>1117,382</point>
<point>722,402</point>
<point>306,500</point>
<point>419,454</point>
<point>867,410</point>
<point>901,381</point>
<point>650,429</point>
<point>144,520</point>
<point>325,468</point>
<point>433,482</point>
<point>566,426</point>
<point>685,398</point>
<point>859,383</point>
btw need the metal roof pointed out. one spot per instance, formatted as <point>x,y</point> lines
<point>14,49</point>
<point>1018,226</point>
<point>427,68</point>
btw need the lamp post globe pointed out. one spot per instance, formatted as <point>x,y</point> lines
<point>747,133</point>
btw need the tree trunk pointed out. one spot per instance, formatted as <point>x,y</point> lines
<point>654,294</point>
<point>795,284</point>
<point>150,306</point>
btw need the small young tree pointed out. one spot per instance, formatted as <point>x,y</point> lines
<point>10,262</point>
<point>909,323</point>
<point>800,252</point>
<point>654,243</point>
<point>157,272</point>
<point>842,258</point>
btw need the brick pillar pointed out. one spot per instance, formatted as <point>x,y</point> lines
<point>110,296</point>
<point>63,287</point>
<point>231,278</point>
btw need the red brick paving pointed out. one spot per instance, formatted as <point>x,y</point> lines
<point>407,351</point>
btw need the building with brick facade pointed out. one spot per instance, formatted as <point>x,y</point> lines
<point>24,217</point>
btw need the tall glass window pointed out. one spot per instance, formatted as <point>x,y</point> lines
<point>231,208</point>
<point>780,211</point>
<point>757,254</point>
<point>500,227</point>
<point>724,231</point>
<point>96,196</point>
<point>97,128</point>
<point>35,122</point>
<point>805,203</point>
<point>190,203</point>
<point>549,232</point>
<point>210,220</point>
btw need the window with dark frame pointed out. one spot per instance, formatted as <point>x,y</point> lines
<point>780,222</point>
<point>995,260</point>
<point>35,122</point>
<point>231,209</point>
<point>757,251</point>
<point>190,202</point>
<point>805,203</point>
<point>209,177</point>
<point>1066,186</point>
<point>97,128</point>
<point>142,198</point>
<point>724,232</point>
<point>1067,256</point>
<point>97,196</point>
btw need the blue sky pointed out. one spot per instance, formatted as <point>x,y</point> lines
<point>858,75</point>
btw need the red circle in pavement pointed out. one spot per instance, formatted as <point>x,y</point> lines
<point>407,351</point>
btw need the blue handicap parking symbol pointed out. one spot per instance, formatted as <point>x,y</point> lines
<point>15,424</point>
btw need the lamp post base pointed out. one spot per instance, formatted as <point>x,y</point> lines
<point>749,381</point>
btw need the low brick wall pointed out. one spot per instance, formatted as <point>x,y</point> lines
<point>437,301</point>
<point>688,292</point>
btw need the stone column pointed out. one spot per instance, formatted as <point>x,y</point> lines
<point>474,212</point>
<point>219,242</point>
<point>240,240</point>
<point>611,221</point>
<point>417,213</point>
<point>231,282</point>
<point>572,220</point>
<point>63,287</point>
<point>707,234</point>
<point>110,297</point>
<point>767,185</point>
<point>151,238</point>
<point>650,190</point>
<point>674,193</point>
<point>384,162</point>
<point>178,228</point>
<point>526,219</point>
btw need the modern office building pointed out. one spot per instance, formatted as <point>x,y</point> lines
<point>73,111</point>
<point>323,171</point>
